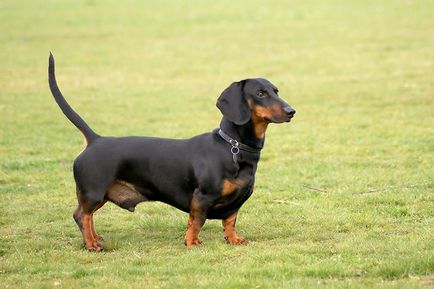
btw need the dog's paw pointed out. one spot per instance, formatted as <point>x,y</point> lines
<point>235,240</point>
<point>99,238</point>
<point>192,242</point>
<point>94,247</point>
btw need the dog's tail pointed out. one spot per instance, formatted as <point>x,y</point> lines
<point>88,133</point>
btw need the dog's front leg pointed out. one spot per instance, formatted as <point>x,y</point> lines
<point>230,233</point>
<point>196,220</point>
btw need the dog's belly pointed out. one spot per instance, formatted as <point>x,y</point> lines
<point>125,195</point>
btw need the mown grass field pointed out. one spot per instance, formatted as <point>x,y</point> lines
<point>344,193</point>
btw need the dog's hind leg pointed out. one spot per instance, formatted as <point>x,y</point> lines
<point>94,233</point>
<point>78,213</point>
<point>83,216</point>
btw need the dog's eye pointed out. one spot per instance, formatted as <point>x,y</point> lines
<point>260,94</point>
<point>276,91</point>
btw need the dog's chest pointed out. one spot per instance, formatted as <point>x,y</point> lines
<point>233,193</point>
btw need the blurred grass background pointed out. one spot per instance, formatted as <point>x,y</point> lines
<point>344,193</point>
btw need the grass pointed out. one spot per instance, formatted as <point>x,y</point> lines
<point>344,193</point>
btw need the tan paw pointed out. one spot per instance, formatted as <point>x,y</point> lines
<point>233,240</point>
<point>94,246</point>
<point>99,238</point>
<point>192,242</point>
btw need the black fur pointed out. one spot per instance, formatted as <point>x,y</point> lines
<point>64,106</point>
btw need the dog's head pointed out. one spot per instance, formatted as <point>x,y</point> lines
<point>254,97</point>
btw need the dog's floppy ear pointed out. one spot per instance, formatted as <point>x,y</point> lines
<point>233,104</point>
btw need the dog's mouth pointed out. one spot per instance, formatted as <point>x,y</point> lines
<point>278,120</point>
<point>289,118</point>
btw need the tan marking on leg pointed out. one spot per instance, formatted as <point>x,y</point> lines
<point>94,233</point>
<point>230,233</point>
<point>195,223</point>
<point>90,243</point>
<point>97,237</point>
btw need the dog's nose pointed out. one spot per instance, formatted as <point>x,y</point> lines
<point>289,111</point>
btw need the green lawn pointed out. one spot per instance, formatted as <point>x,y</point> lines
<point>344,194</point>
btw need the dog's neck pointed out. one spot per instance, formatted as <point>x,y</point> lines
<point>246,133</point>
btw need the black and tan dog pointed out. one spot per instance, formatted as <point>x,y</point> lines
<point>208,176</point>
